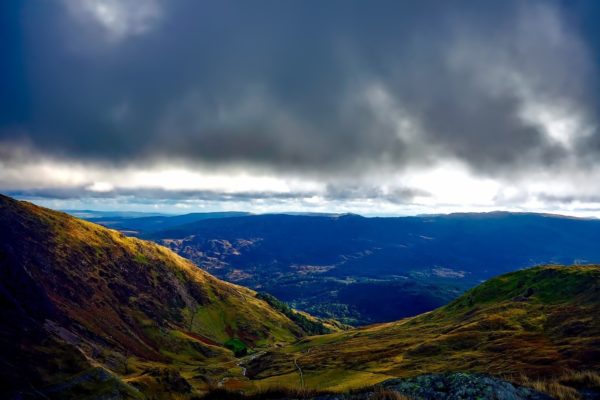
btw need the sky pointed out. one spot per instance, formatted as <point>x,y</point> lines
<point>373,107</point>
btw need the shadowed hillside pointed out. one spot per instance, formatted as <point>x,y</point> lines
<point>84,308</point>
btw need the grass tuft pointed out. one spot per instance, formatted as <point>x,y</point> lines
<point>382,393</point>
<point>565,386</point>
<point>271,393</point>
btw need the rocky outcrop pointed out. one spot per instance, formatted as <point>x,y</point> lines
<point>461,386</point>
<point>451,386</point>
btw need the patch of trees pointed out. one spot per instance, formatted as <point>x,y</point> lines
<point>238,347</point>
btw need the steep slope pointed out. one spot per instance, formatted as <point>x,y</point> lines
<point>75,296</point>
<point>351,268</point>
<point>538,322</point>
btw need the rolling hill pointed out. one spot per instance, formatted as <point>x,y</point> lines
<point>87,310</point>
<point>367,270</point>
<point>88,313</point>
<point>539,323</point>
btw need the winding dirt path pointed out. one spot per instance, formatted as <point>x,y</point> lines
<point>300,372</point>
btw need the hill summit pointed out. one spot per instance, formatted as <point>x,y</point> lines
<point>86,309</point>
<point>538,323</point>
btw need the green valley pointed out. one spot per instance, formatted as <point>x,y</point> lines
<point>88,313</point>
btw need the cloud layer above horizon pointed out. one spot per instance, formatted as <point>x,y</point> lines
<point>374,107</point>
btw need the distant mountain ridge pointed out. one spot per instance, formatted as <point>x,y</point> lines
<point>88,313</point>
<point>86,214</point>
<point>364,270</point>
<point>135,226</point>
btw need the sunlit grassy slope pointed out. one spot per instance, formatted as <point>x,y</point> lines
<point>537,322</point>
<point>75,297</point>
<point>86,312</point>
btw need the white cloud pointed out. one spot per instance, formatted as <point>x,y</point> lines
<point>101,187</point>
<point>118,19</point>
<point>534,68</point>
<point>448,186</point>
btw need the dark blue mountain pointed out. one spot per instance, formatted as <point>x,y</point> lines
<point>365,270</point>
<point>149,223</point>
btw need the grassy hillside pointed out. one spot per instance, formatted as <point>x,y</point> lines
<point>85,307</point>
<point>535,323</point>
<point>86,312</point>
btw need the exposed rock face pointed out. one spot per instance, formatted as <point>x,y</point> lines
<point>453,386</point>
<point>461,386</point>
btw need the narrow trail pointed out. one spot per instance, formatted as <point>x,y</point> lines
<point>300,372</point>
<point>300,369</point>
<point>240,363</point>
<point>244,369</point>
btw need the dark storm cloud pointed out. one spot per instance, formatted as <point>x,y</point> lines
<point>297,86</point>
<point>83,192</point>
<point>396,195</point>
<point>332,192</point>
<point>568,199</point>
